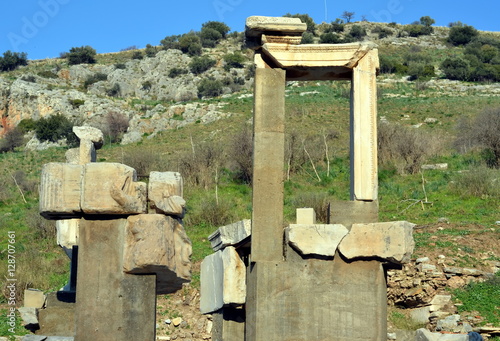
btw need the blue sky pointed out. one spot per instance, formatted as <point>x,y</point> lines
<point>45,28</point>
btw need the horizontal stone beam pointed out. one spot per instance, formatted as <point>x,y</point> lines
<point>231,234</point>
<point>392,241</point>
<point>315,239</point>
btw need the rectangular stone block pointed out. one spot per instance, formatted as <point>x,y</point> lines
<point>155,243</point>
<point>306,216</point>
<point>111,188</point>
<point>392,241</point>
<point>34,298</point>
<point>165,193</point>
<point>234,277</point>
<point>316,300</point>
<point>229,324</point>
<point>347,212</point>
<point>60,190</point>
<point>67,232</point>
<point>231,234</point>
<point>212,283</point>
<point>316,239</point>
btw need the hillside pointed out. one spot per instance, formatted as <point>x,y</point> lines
<point>169,121</point>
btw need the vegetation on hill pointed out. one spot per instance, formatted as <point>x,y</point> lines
<point>424,118</point>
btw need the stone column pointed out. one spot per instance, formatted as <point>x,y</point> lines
<point>364,183</point>
<point>268,158</point>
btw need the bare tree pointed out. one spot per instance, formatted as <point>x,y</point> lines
<point>347,16</point>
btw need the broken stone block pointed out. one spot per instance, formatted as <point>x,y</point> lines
<point>73,156</point>
<point>28,315</point>
<point>86,152</point>
<point>392,241</point>
<point>212,283</point>
<point>420,315</point>
<point>439,301</point>
<point>67,232</point>
<point>258,27</point>
<point>315,239</point>
<point>87,133</point>
<point>158,244</point>
<point>231,234</point>
<point>60,190</point>
<point>306,216</point>
<point>165,193</point>
<point>34,298</point>
<point>111,188</point>
<point>423,334</point>
<point>234,277</point>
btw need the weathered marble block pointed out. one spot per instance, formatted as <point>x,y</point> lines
<point>256,25</point>
<point>67,232</point>
<point>87,133</point>
<point>315,239</point>
<point>155,243</point>
<point>230,234</point>
<point>223,280</point>
<point>306,216</point>
<point>60,190</point>
<point>165,193</point>
<point>111,188</point>
<point>392,241</point>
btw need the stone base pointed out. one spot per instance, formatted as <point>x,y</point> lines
<point>313,299</point>
<point>58,318</point>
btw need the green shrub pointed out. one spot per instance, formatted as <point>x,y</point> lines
<point>462,35</point>
<point>76,103</point>
<point>114,91</point>
<point>383,32</point>
<point>210,37</point>
<point>120,66</point>
<point>47,74</point>
<point>218,26</point>
<point>81,55</point>
<point>456,68</point>
<point>26,125</point>
<point>307,38</point>
<point>176,71</point>
<point>420,71</point>
<point>201,64</point>
<point>485,132</point>
<point>337,26</point>
<point>190,44</point>
<point>357,32</point>
<point>12,60</point>
<point>427,21</point>
<point>234,60</point>
<point>150,51</point>
<point>212,212</point>
<point>146,85</point>
<point>137,55</point>
<point>97,77</point>
<point>387,64</point>
<point>55,128</point>
<point>417,30</point>
<point>171,42</point>
<point>116,124</point>
<point>330,38</point>
<point>210,88</point>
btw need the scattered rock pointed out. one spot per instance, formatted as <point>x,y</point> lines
<point>177,321</point>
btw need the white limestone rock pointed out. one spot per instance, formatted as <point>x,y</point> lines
<point>315,239</point>
<point>230,234</point>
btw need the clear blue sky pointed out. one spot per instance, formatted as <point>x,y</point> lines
<point>44,28</point>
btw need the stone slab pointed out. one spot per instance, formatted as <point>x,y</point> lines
<point>234,277</point>
<point>212,283</point>
<point>60,190</point>
<point>111,188</point>
<point>231,234</point>
<point>157,244</point>
<point>423,334</point>
<point>57,321</point>
<point>34,298</point>
<point>392,241</point>
<point>91,134</point>
<point>165,191</point>
<point>28,315</point>
<point>229,324</point>
<point>420,315</point>
<point>315,300</point>
<point>315,239</point>
<point>255,26</point>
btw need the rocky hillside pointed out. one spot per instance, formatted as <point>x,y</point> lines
<point>161,91</point>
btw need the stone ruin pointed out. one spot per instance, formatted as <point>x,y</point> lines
<point>305,281</point>
<point>126,241</point>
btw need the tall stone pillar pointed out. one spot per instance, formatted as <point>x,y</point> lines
<point>269,153</point>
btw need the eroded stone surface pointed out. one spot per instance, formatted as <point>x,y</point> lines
<point>60,190</point>
<point>212,283</point>
<point>234,279</point>
<point>111,188</point>
<point>67,232</point>
<point>315,239</point>
<point>230,234</point>
<point>392,241</point>
<point>256,25</point>
<point>165,193</point>
<point>158,244</point>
